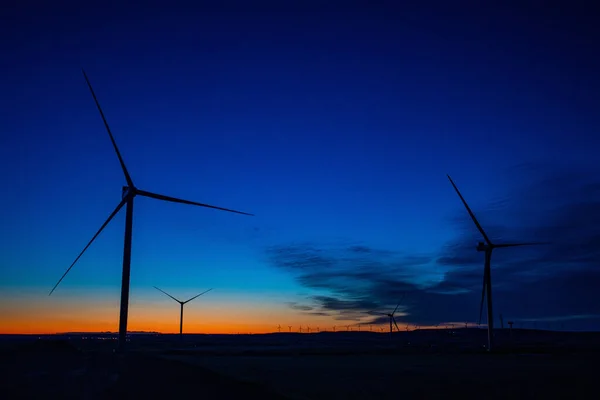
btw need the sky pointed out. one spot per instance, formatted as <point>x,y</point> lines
<point>335,126</point>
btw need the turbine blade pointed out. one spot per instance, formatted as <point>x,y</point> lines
<point>400,302</point>
<point>168,295</point>
<point>482,295</point>
<point>193,203</point>
<point>187,301</point>
<point>110,217</point>
<point>470,212</point>
<point>521,244</point>
<point>112,139</point>
<point>394,319</point>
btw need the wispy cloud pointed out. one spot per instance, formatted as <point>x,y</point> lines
<point>554,282</point>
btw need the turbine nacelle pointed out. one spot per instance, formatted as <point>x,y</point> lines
<point>481,246</point>
<point>126,190</point>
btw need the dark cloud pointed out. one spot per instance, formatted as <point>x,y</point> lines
<point>300,307</point>
<point>359,249</point>
<point>556,282</point>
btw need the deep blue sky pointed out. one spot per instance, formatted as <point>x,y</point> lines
<point>336,127</point>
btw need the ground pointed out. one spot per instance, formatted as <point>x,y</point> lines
<point>292,366</point>
<point>412,376</point>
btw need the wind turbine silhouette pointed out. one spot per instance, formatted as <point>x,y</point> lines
<point>127,195</point>
<point>278,328</point>
<point>391,315</point>
<point>487,247</point>
<point>182,303</point>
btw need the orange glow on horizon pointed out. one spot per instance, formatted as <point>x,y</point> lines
<point>36,313</point>
<point>33,312</point>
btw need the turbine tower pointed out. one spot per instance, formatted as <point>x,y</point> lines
<point>182,303</point>
<point>127,196</point>
<point>487,248</point>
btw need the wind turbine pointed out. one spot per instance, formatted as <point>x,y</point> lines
<point>182,303</point>
<point>391,315</point>
<point>487,247</point>
<point>279,328</point>
<point>290,327</point>
<point>127,195</point>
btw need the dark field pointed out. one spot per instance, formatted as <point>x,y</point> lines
<point>362,365</point>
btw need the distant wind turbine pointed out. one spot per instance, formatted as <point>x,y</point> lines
<point>182,303</point>
<point>391,315</point>
<point>290,327</point>
<point>278,328</point>
<point>127,195</point>
<point>487,247</point>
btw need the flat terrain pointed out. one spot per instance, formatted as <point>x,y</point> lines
<point>412,376</point>
<point>345,365</point>
<point>66,374</point>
